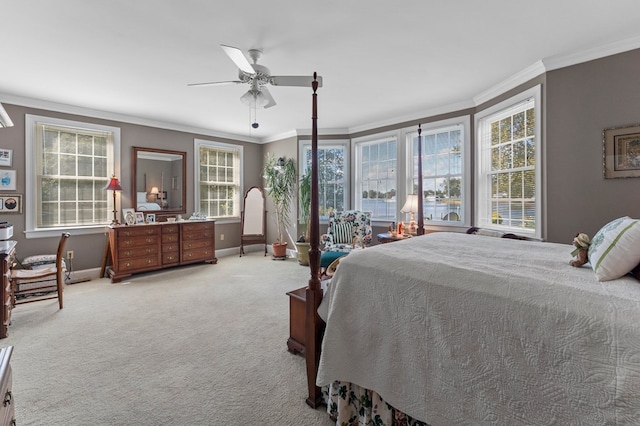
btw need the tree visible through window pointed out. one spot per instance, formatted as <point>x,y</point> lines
<point>331,175</point>
<point>70,165</point>
<point>376,177</point>
<point>218,179</point>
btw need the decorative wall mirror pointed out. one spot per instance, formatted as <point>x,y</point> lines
<point>254,219</point>
<point>159,181</point>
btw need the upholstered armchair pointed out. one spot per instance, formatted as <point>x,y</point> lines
<point>347,230</point>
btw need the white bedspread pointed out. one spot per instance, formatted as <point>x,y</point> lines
<point>466,329</point>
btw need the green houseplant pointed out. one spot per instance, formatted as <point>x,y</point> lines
<point>280,183</point>
<point>304,199</point>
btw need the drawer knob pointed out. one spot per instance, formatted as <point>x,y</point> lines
<point>7,398</point>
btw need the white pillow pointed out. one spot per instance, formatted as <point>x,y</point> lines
<point>142,197</point>
<point>615,249</point>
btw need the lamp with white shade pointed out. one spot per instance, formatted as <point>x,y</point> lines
<point>411,206</point>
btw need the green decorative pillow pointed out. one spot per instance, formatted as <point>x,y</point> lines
<point>615,249</point>
<point>342,233</point>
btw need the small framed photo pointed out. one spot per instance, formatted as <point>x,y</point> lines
<point>10,203</point>
<point>622,152</point>
<point>6,157</point>
<point>139,217</point>
<point>129,216</point>
<point>151,217</point>
<point>7,180</point>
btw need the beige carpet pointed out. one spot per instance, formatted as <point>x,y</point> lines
<point>197,345</point>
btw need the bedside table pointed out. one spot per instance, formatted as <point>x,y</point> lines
<point>385,237</point>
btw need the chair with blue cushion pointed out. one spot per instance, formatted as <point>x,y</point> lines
<point>348,230</point>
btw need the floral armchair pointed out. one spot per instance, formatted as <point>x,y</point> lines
<point>347,230</point>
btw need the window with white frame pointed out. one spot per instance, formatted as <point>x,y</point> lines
<point>68,165</point>
<point>508,165</point>
<point>445,170</point>
<point>218,179</point>
<point>376,176</point>
<point>333,160</point>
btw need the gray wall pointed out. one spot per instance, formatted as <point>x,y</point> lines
<point>582,101</point>
<point>579,102</point>
<point>89,249</point>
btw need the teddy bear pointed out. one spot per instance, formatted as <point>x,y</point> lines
<point>581,243</point>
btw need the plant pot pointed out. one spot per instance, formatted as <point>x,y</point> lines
<point>303,253</point>
<point>279,250</point>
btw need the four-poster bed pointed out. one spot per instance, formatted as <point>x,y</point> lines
<point>451,328</point>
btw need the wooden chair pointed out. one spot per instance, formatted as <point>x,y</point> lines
<point>39,283</point>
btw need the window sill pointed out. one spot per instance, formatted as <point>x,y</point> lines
<point>55,232</point>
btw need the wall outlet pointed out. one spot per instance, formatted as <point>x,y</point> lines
<point>221,237</point>
<point>70,254</point>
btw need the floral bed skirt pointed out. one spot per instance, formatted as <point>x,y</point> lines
<point>352,405</point>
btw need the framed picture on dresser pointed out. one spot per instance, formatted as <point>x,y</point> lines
<point>139,217</point>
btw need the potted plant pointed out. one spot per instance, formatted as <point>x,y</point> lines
<point>304,194</point>
<point>280,184</point>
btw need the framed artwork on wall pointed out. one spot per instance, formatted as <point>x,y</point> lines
<point>10,203</point>
<point>7,180</point>
<point>6,157</point>
<point>622,152</point>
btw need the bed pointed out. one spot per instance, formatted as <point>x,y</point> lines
<point>452,328</point>
<point>142,204</point>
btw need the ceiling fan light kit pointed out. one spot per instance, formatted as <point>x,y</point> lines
<point>258,77</point>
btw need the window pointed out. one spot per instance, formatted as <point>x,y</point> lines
<point>376,177</point>
<point>508,165</point>
<point>68,165</point>
<point>445,170</point>
<point>332,174</point>
<point>218,179</point>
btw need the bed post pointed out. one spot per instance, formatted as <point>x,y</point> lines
<point>313,338</point>
<point>420,230</point>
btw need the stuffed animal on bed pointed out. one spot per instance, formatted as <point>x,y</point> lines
<point>581,243</point>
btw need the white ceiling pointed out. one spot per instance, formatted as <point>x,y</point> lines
<point>381,61</point>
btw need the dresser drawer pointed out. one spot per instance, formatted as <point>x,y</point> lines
<point>139,263</point>
<point>197,227</point>
<point>170,238</point>
<point>137,231</point>
<point>169,258</point>
<point>197,255</point>
<point>141,241</point>
<point>145,251</point>
<point>194,244</point>
<point>166,248</point>
<point>170,229</point>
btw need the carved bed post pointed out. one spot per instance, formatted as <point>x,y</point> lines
<point>420,230</point>
<point>313,322</point>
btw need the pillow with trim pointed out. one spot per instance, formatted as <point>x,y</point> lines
<point>615,249</point>
<point>342,233</point>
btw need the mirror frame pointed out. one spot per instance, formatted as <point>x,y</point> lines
<point>138,149</point>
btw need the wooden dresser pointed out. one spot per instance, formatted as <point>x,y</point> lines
<point>143,248</point>
<point>7,255</point>
<point>7,409</point>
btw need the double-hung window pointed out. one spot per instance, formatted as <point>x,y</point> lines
<point>445,170</point>
<point>218,179</point>
<point>508,165</point>
<point>376,174</point>
<point>68,165</point>
<point>333,160</point>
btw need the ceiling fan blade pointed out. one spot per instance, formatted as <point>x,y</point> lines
<point>271,102</point>
<point>216,83</point>
<point>294,80</point>
<point>238,58</point>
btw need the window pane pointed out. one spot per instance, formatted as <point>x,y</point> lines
<point>218,193</point>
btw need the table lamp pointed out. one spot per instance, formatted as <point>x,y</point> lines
<point>411,206</point>
<point>114,185</point>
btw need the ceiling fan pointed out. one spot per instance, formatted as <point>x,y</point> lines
<point>258,77</point>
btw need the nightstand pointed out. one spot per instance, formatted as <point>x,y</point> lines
<point>386,237</point>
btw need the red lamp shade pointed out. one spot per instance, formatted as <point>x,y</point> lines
<point>113,185</point>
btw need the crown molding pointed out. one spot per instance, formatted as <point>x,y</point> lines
<point>597,52</point>
<point>107,115</point>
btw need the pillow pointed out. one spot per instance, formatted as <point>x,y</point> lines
<point>342,233</point>
<point>142,197</point>
<point>615,249</point>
